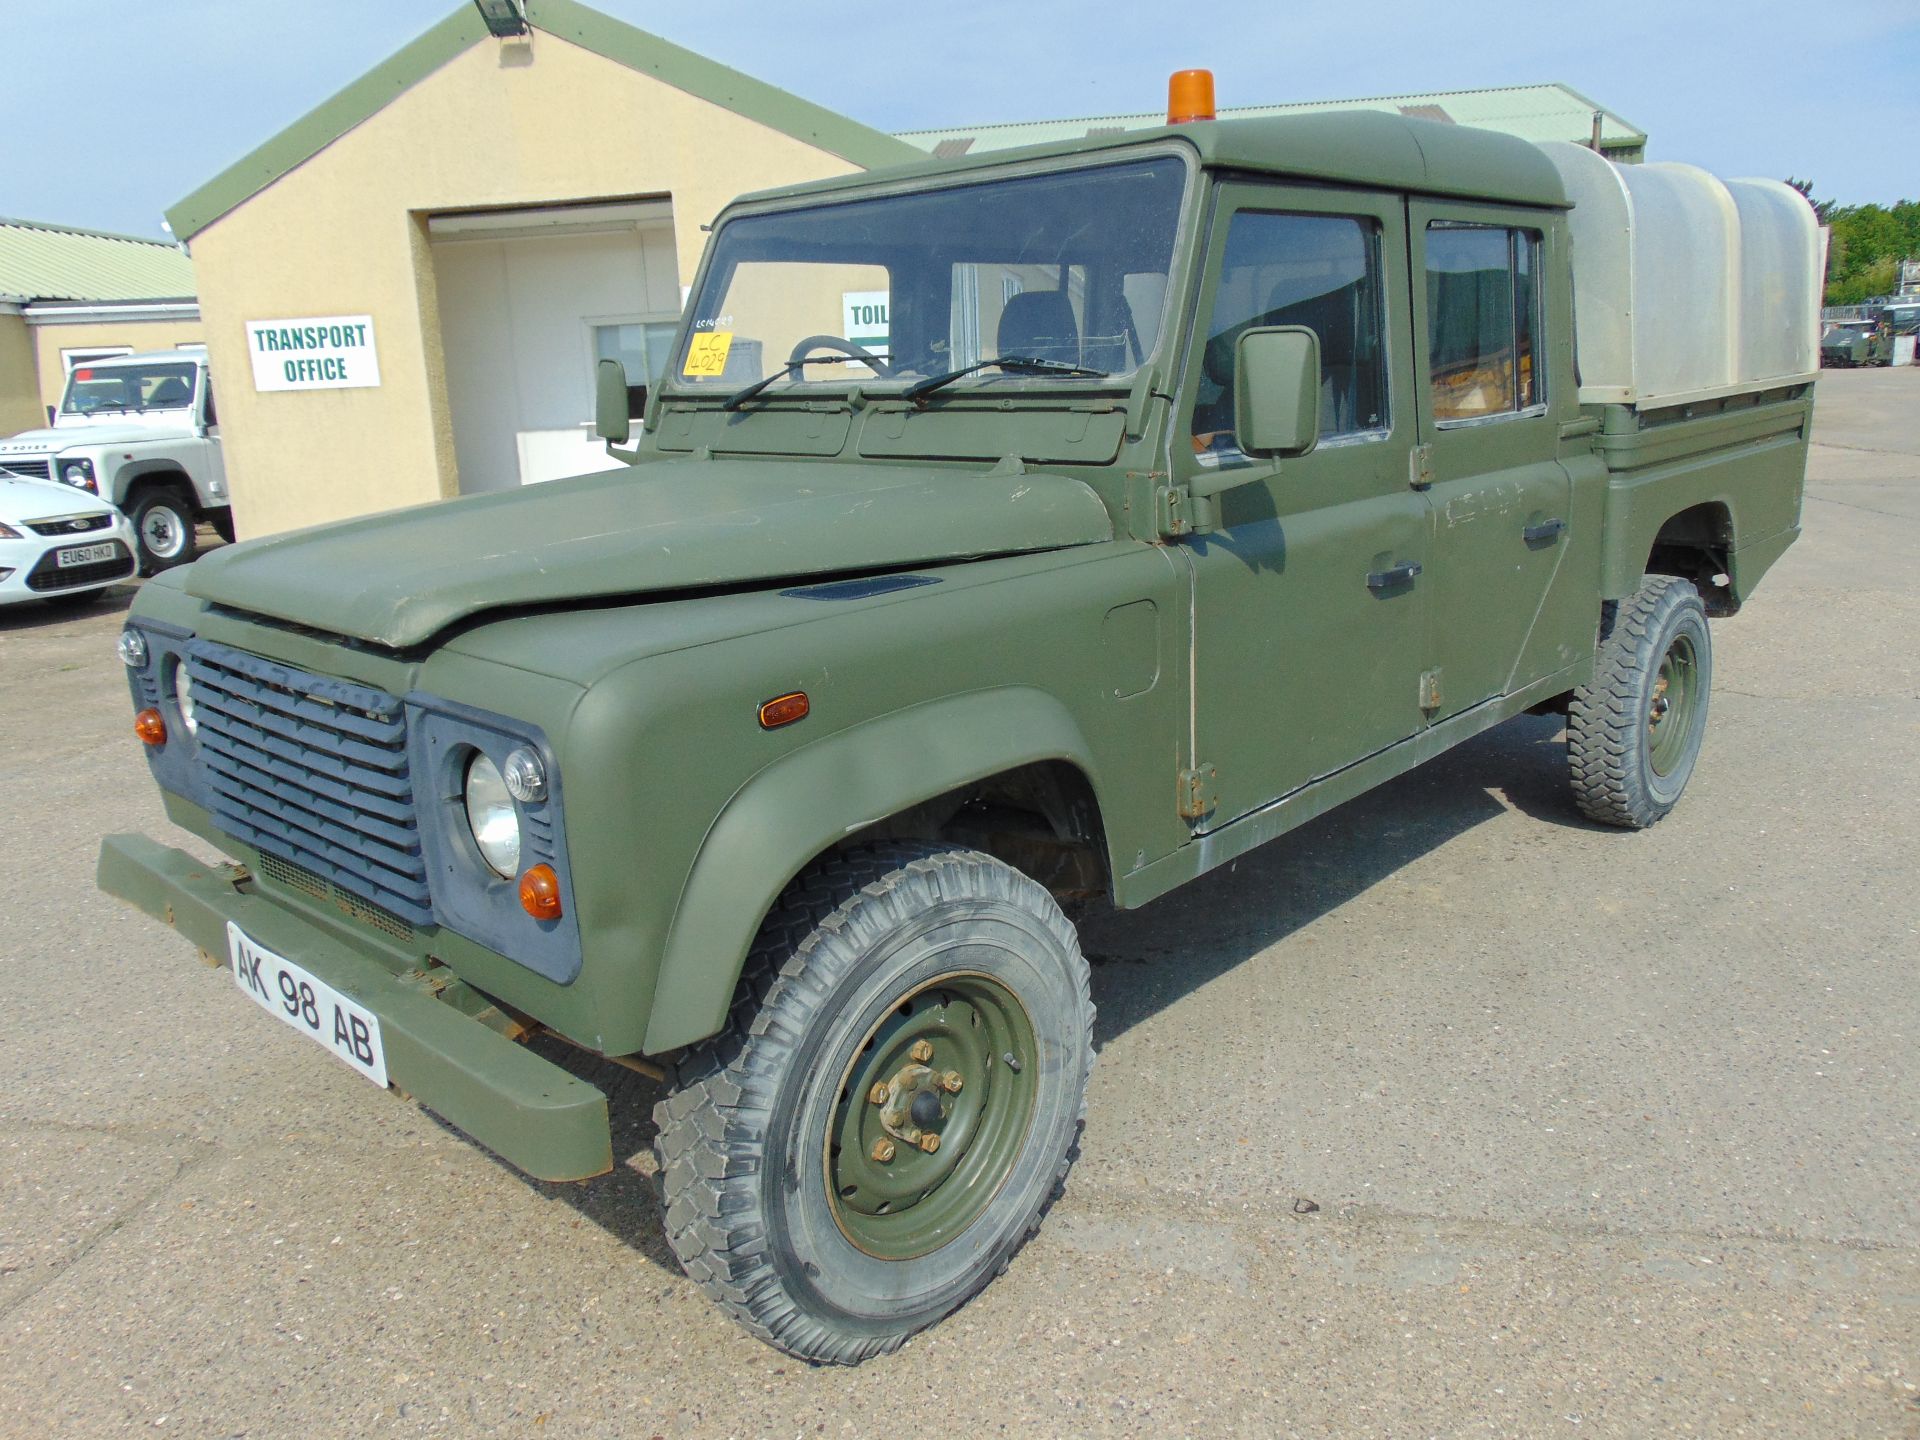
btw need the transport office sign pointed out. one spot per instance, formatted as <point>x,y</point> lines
<point>328,352</point>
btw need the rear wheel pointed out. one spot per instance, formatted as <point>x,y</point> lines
<point>895,1101</point>
<point>163,529</point>
<point>1634,733</point>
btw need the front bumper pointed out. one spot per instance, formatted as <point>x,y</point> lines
<point>36,575</point>
<point>525,1109</point>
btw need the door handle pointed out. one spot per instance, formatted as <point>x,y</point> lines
<point>1545,530</point>
<point>1392,575</point>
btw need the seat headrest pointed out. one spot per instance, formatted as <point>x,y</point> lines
<point>1039,324</point>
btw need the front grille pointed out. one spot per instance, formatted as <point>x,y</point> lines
<point>298,877</point>
<point>70,525</point>
<point>30,469</point>
<point>49,574</point>
<point>313,770</point>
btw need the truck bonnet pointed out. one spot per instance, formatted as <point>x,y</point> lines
<point>398,579</point>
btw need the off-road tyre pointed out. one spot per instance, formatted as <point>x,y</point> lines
<point>746,1143</point>
<point>1654,651</point>
<point>163,529</point>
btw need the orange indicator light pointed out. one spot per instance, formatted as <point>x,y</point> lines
<point>150,727</point>
<point>1189,96</point>
<point>783,710</point>
<point>540,893</point>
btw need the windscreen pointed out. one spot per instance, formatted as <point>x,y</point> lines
<point>1067,268</point>
<point>162,385</point>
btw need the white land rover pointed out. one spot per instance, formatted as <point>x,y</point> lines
<point>140,432</point>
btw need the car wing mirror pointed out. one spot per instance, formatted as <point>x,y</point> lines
<point>1276,403</point>
<point>612,405</point>
<point>1276,391</point>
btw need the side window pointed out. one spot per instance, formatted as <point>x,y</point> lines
<point>1483,309</point>
<point>1320,271</point>
<point>212,416</point>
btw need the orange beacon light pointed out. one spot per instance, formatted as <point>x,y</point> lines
<point>1189,96</point>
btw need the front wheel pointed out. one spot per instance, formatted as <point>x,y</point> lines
<point>1634,732</point>
<point>894,1104</point>
<point>163,529</point>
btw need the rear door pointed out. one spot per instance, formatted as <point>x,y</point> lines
<point>1308,628</point>
<point>1500,501</point>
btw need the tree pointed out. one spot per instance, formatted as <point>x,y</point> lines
<point>1865,245</point>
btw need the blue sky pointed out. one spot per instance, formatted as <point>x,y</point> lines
<point>114,109</point>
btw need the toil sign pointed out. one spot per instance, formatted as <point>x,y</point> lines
<point>332,352</point>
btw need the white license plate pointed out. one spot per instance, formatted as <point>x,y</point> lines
<point>84,554</point>
<point>309,1005</point>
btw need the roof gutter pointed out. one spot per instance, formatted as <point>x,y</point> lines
<point>110,312</point>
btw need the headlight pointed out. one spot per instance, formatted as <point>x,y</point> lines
<point>183,696</point>
<point>492,816</point>
<point>79,474</point>
<point>133,649</point>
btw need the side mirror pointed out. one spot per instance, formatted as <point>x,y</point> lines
<point>612,406</point>
<point>1276,391</point>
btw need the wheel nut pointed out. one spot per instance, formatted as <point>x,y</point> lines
<point>922,1051</point>
<point>883,1150</point>
<point>929,1143</point>
<point>878,1094</point>
<point>952,1081</point>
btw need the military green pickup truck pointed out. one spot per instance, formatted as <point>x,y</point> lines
<point>1203,478</point>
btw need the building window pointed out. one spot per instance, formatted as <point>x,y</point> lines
<point>1483,308</point>
<point>1320,271</point>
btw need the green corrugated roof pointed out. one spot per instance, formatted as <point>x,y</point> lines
<point>588,28</point>
<point>1531,112</point>
<point>56,262</point>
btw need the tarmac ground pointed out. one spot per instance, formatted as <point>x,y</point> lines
<point>1447,1114</point>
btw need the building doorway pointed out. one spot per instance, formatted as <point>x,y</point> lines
<point>530,301</point>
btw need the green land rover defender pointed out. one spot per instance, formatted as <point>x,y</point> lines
<point>1179,486</point>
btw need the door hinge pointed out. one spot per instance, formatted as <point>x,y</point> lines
<point>1430,689</point>
<point>1197,798</point>
<point>1180,512</point>
<point>1420,467</point>
<point>1171,504</point>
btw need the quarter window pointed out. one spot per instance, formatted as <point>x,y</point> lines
<point>1483,308</point>
<point>1320,271</point>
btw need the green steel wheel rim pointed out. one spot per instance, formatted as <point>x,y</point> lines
<point>1670,711</point>
<point>917,1200</point>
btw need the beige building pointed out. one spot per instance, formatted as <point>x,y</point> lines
<point>406,292</point>
<point>68,296</point>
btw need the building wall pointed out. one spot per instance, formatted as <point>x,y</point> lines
<point>136,335</point>
<point>345,234</point>
<point>19,388</point>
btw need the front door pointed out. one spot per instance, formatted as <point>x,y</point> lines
<point>1501,502</point>
<point>1308,627</point>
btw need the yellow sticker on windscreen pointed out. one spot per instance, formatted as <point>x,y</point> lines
<point>707,354</point>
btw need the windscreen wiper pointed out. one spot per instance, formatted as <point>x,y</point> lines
<point>740,397</point>
<point>1022,364</point>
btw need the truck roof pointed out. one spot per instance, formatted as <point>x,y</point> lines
<point>1356,147</point>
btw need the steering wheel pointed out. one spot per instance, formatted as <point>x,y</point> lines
<point>842,346</point>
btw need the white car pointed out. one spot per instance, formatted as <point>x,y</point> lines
<point>59,544</point>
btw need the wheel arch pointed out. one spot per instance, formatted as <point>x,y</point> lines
<point>905,774</point>
<point>138,477</point>
<point>1696,544</point>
